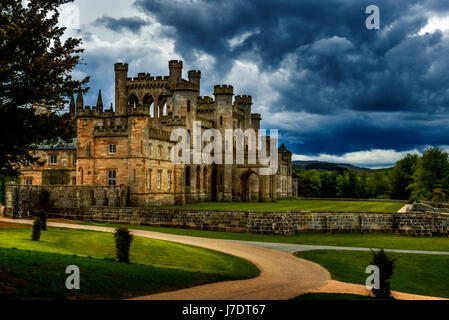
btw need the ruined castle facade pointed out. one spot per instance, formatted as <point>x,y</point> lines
<point>131,146</point>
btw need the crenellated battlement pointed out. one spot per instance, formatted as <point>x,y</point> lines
<point>158,134</point>
<point>185,86</point>
<point>194,74</point>
<point>108,127</point>
<point>205,100</point>
<point>223,89</point>
<point>121,66</point>
<point>243,99</point>
<point>175,64</point>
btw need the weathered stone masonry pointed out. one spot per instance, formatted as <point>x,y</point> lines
<point>417,224</point>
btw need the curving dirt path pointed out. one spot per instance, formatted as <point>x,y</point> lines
<point>282,275</point>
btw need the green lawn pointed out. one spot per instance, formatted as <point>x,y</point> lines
<point>296,205</point>
<point>414,273</point>
<point>30,269</point>
<point>365,240</point>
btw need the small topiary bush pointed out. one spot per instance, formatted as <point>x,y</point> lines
<point>44,206</point>
<point>123,240</point>
<point>386,267</point>
<point>37,227</point>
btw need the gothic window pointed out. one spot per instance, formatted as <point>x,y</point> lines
<point>169,181</point>
<point>159,177</point>
<point>133,101</point>
<point>88,149</point>
<point>187,177</point>
<point>149,180</point>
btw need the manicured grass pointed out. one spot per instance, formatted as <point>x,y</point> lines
<point>365,240</point>
<point>40,275</point>
<point>143,250</point>
<point>30,269</point>
<point>332,296</point>
<point>414,273</point>
<point>296,205</point>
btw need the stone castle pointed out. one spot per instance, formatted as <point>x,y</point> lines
<point>130,146</point>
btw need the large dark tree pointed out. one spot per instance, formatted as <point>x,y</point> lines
<point>432,176</point>
<point>401,177</point>
<point>35,67</point>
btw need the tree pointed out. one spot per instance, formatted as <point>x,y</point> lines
<point>35,68</point>
<point>44,207</point>
<point>401,177</point>
<point>347,185</point>
<point>37,227</point>
<point>123,240</point>
<point>386,267</point>
<point>431,177</point>
<point>309,183</point>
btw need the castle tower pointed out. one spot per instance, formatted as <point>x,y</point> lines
<point>121,91</point>
<point>99,102</point>
<point>223,117</point>
<point>195,78</point>
<point>175,68</point>
<point>245,102</point>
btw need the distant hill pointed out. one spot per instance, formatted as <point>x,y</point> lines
<point>323,165</point>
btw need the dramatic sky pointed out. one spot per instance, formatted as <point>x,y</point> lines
<point>335,90</point>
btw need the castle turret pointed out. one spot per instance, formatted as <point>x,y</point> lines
<point>72,108</point>
<point>121,91</point>
<point>99,102</point>
<point>195,78</point>
<point>244,103</point>
<point>175,68</point>
<point>79,101</point>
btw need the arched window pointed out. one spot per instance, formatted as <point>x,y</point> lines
<point>148,104</point>
<point>133,101</point>
<point>187,183</point>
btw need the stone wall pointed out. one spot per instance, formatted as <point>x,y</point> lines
<point>21,200</point>
<point>419,224</point>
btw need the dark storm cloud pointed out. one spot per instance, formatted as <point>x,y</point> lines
<point>332,62</point>
<point>133,24</point>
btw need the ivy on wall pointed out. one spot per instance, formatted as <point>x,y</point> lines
<point>3,181</point>
<point>56,177</point>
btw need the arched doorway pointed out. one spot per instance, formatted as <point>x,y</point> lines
<point>250,186</point>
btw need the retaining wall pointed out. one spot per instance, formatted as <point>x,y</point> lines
<point>418,224</point>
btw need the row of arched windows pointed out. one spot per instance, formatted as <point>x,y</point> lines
<point>188,177</point>
<point>148,103</point>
